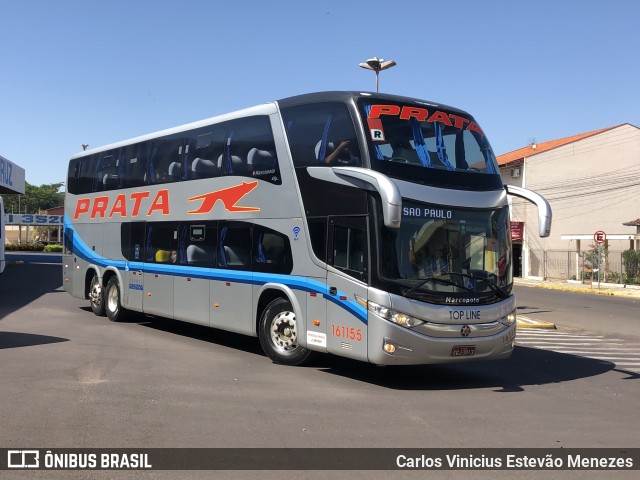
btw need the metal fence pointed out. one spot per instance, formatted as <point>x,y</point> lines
<point>571,265</point>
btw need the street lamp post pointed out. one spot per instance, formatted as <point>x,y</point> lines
<point>377,65</point>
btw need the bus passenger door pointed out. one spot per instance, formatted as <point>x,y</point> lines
<point>133,277</point>
<point>161,253</point>
<point>347,288</point>
<point>231,294</point>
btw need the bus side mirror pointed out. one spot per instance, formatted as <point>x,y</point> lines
<point>367,180</point>
<point>544,209</point>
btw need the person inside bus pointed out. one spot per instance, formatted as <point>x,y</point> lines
<point>402,149</point>
<point>342,154</point>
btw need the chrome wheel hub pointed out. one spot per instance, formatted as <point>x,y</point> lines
<point>284,334</point>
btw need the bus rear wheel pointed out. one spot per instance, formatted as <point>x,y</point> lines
<point>96,296</point>
<point>113,306</point>
<point>278,333</point>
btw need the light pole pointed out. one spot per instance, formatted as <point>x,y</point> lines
<point>377,65</point>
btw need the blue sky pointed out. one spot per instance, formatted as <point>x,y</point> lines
<point>96,72</point>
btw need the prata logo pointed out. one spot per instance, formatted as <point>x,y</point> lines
<point>23,459</point>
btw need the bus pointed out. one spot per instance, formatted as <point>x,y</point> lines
<point>2,237</point>
<point>369,226</point>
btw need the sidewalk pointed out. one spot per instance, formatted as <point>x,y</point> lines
<point>577,286</point>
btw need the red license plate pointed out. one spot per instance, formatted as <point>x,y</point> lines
<point>463,351</point>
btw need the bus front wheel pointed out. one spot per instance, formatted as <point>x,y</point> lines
<point>278,333</point>
<point>113,306</point>
<point>96,296</point>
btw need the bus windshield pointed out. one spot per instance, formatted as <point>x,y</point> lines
<point>448,255</point>
<point>429,144</point>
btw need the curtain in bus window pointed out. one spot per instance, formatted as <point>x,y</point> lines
<point>421,148</point>
<point>440,146</point>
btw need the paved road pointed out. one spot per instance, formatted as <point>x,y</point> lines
<point>604,314</point>
<point>70,379</point>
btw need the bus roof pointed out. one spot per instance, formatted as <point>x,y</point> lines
<point>267,109</point>
<point>264,109</point>
<point>339,96</point>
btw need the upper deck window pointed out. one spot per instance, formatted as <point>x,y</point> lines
<point>321,134</point>
<point>429,144</point>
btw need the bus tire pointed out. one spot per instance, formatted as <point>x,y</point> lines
<point>96,296</point>
<point>278,333</point>
<point>113,306</point>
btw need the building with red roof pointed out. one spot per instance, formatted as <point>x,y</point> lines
<point>592,182</point>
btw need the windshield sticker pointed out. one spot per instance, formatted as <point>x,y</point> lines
<point>423,115</point>
<point>376,130</point>
<point>427,212</point>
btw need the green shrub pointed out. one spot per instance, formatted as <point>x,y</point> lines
<point>53,248</point>
<point>631,262</point>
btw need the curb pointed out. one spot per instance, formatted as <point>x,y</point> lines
<point>525,322</point>
<point>590,291</point>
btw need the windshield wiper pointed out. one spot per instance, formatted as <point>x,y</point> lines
<point>499,291</point>
<point>441,280</point>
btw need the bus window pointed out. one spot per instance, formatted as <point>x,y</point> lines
<point>85,174</point>
<point>202,151</point>
<point>321,134</point>
<point>250,150</point>
<point>198,244</point>
<point>72,176</point>
<point>165,164</point>
<point>349,240</point>
<point>271,252</point>
<point>132,240</point>
<point>318,235</point>
<point>133,166</point>
<point>162,242</point>
<point>234,246</point>
<point>107,172</point>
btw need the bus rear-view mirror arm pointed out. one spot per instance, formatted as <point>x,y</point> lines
<point>368,180</point>
<point>544,209</point>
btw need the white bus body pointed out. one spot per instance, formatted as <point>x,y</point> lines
<point>370,226</point>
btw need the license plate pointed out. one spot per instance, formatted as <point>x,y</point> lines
<point>463,350</point>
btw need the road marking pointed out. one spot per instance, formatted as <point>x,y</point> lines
<point>624,354</point>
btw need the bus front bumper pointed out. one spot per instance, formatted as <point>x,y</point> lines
<point>390,344</point>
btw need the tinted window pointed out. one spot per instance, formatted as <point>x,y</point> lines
<point>198,244</point>
<point>250,150</point>
<point>203,153</point>
<point>85,174</point>
<point>271,251</point>
<point>72,176</point>
<point>321,134</point>
<point>234,246</point>
<point>165,160</point>
<point>132,241</point>
<point>107,171</point>
<point>133,165</point>
<point>318,234</point>
<point>162,242</point>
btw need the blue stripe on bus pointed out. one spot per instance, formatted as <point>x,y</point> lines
<point>255,278</point>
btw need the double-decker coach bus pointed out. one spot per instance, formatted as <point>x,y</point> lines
<point>365,225</point>
<point>2,238</point>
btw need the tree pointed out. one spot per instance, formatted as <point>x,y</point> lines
<point>35,199</point>
<point>631,261</point>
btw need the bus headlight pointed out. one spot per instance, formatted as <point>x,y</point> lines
<point>508,320</point>
<point>394,316</point>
